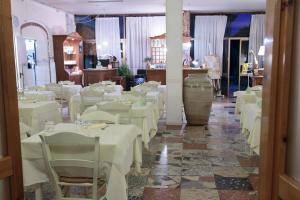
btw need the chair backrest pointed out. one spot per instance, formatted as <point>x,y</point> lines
<point>154,83</point>
<point>25,131</point>
<point>141,88</point>
<point>56,88</point>
<point>108,83</point>
<point>66,83</point>
<point>138,93</point>
<point>91,96</point>
<point>37,88</point>
<point>91,92</point>
<point>100,116</point>
<point>116,107</point>
<point>56,150</point>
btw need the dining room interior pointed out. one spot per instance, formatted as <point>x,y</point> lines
<point>144,100</point>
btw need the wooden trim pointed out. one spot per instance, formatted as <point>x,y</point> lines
<point>5,167</point>
<point>268,104</point>
<point>283,92</point>
<point>10,120</point>
<point>278,59</point>
<point>289,188</point>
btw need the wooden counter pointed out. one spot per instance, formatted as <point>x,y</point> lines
<point>160,74</point>
<point>156,75</point>
<point>91,76</point>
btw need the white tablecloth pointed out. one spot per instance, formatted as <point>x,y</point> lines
<point>70,90</point>
<point>119,147</point>
<point>144,117</point>
<point>163,90</point>
<point>36,114</point>
<point>40,95</point>
<point>248,105</point>
<point>157,98</point>
<point>243,97</point>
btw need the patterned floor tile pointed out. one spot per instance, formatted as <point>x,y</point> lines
<point>237,195</point>
<point>229,161</point>
<point>171,139</point>
<point>237,172</point>
<point>165,170</point>
<point>199,194</point>
<point>197,182</point>
<point>164,181</point>
<point>196,170</point>
<point>201,161</point>
<point>194,146</point>
<point>230,183</point>
<point>159,194</point>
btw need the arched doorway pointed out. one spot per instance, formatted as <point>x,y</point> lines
<point>34,44</point>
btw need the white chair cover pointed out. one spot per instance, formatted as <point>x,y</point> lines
<point>90,96</point>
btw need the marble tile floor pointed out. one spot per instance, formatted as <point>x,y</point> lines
<point>211,162</point>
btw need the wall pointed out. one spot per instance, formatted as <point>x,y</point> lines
<point>293,163</point>
<point>55,21</point>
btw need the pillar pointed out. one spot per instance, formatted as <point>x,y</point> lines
<point>174,20</point>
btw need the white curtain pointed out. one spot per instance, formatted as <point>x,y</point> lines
<point>257,34</point>
<point>209,37</point>
<point>108,39</point>
<point>138,33</point>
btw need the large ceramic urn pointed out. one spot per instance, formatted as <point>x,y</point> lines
<point>197,97</point>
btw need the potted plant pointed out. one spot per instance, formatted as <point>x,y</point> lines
<point>148,61</point>
<point>124,71</point>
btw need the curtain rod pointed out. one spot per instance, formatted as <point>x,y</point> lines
<point>123,15</point>
<point>227,13</point>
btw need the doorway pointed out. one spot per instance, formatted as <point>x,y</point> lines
<point>31,60</point>
<point>235,55</point>
<point>35,67</point>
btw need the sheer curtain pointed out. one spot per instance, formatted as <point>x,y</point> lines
<point>209,37</point>
<point>108,39</point>
<point>138,33</point>
<point>257,34</point>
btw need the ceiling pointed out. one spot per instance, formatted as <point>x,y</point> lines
<point>91,7</point>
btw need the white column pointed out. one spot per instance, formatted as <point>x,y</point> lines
<point>174,61</point>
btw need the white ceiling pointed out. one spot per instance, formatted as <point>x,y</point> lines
<point>83,7</point>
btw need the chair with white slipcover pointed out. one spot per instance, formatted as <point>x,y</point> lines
<point>116,107</point>
<point>90,96</point>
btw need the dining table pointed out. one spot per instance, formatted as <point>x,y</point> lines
<point>36,114</point>
<point>76,105</point>
<point>120,148</point>
<point>142,115</point>
<point>39,95</point>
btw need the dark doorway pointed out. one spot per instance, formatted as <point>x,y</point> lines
<point>234,66</point>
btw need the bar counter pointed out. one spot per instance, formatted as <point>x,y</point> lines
<point>91,76</point>
<point>160,74</point>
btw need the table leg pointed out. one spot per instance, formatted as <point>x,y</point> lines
<point>138,167</point>
<point>38,192</point>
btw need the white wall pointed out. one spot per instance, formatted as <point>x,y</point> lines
<point>293,162</point>
<point>28,10</point>
<point>56,22</point>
